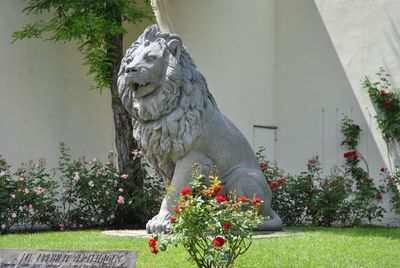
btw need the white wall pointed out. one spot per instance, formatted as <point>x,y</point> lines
<point>233,44</point>
<point>45,97</point>
<point>313,95</point>
<point>366,36</point>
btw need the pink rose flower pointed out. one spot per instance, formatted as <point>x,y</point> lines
<point>77,176</point>
<point>121,200</point>
<point>124,176</point>
<point>13,196</point>
<point>39,190</point>
<point>121,190</point>
<point>3,226</point>
<point>13,215</point>
<point>26,191</point>
<point>2,174</point>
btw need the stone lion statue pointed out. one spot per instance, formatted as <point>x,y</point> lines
<point>177,123</point>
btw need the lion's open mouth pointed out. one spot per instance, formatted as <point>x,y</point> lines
<point>141,90</point>
<point>137,86</point>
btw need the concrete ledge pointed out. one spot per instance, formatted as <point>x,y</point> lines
<point>143,234</point>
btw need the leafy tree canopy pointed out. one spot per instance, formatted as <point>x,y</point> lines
<point>91,23</point>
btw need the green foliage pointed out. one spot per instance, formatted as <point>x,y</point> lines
<point>214,228</point>
<point>89,194</point>
<point>347,196</point>
<point>392,180</point>
<point>329,204</point>
<point>28,198</point>
<point>387,101</point>
<point>93,25</point>
<point>291,194</point>
<point>366,196</point>
<point>96,195</point>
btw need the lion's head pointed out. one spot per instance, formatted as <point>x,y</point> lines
<point>149,77</point>
<point>166,95</point>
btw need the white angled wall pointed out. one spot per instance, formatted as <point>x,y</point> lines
<point>366,36</point>
<point>45,97</point>
<point>233,44</point>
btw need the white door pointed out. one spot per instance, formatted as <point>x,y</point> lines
<point>265,136</point>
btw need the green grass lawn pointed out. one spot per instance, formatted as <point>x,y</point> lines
<point>317,247</point>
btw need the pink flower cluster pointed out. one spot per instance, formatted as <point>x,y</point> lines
<point>77,176</point>
<point>39,190</point>
<point>121,200</point>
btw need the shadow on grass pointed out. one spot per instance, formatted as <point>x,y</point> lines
<point>387,232</point>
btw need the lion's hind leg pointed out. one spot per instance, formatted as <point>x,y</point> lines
<point>251,183</point>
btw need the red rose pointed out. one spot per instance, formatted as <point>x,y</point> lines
<point>178,209</point>
<point>256,200</point>
<point>274,185</point>
<point>220,198</point>
<point>152,243</point>
<point>281,180</point>
<point>387,105</point>
<point>218,241</point>
<point>382,169</point>
<point>379,196</point>
<point>390,182</point>
<point>263,166</point>
<point>382,93</point>
<point>226,226</point>
<point>216,189</point>
<point>242,199</point>
<point>172,219</point>
<point>186,191</point>
<point>309,205</point>
<point>153,250</point>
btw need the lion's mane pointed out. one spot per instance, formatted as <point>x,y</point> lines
<point>167,123</point>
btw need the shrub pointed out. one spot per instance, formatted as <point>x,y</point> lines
<point>213,227</point>
<point>387,102</point>
<point>291,194</point>
<point>329,203</point>
<point>95,194</point>
<point>391,181</point>
<point>365,197</point>
<point>29,198</point>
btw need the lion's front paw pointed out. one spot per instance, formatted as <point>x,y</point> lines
<point>158,223</point>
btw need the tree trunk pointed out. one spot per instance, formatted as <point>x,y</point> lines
<point>124,141</point>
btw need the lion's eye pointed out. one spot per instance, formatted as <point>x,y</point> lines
<point>150,58</point>
<point>129,60</point>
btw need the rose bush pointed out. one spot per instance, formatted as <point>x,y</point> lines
<point>213,226</point>
<point>364,201</point>
<point>86,194</point>
<point>95,194</point>
<point>27,197</point>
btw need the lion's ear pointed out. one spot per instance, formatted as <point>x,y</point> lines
<point>175,47</point>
